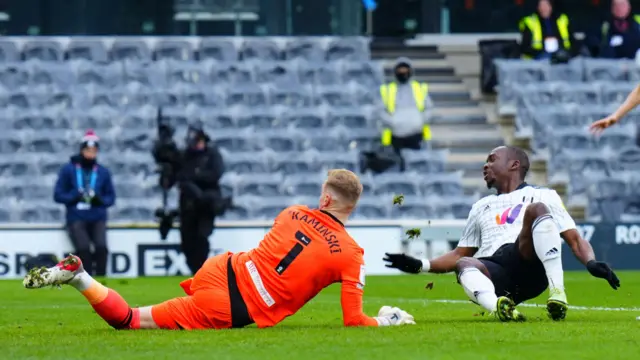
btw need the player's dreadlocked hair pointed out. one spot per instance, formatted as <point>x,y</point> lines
<point>522,157</point>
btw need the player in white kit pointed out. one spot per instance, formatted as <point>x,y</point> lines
<point>511,247</point>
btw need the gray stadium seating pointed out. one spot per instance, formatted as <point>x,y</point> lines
<point>282,110</point>
<point>554,104</point>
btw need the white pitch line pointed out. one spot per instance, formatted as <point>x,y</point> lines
<point>449,301</point>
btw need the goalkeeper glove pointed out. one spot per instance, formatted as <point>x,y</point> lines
<point>406,263</point>
<point>600,269</point>
<point>388,316</point>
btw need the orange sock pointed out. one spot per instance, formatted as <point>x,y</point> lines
<point>111,307</point>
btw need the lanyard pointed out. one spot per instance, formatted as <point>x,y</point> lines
<point>92,180</point>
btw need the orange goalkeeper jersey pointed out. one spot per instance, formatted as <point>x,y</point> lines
<point>305,251</point>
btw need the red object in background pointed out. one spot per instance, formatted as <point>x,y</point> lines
<point>595,2</point>
<point>469,4</point>
<point>519,2</point>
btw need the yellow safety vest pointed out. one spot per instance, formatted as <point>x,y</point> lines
<point>388,94</point>
<point>532,22</point>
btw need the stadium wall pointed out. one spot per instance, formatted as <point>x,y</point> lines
<point>139,251</point>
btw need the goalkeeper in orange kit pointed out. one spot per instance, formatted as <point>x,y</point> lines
<point>305,251</point>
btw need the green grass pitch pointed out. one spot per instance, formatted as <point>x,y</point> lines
<point>59,324</point>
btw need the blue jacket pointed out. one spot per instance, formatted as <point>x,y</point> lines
<point>67,191</point>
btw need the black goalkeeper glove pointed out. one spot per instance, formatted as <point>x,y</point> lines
<point>600,269</point>
<point>403,263</point>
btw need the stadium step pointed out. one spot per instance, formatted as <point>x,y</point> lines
<point>466,136</point>
<point>459,122</point>
<point>393,48</point>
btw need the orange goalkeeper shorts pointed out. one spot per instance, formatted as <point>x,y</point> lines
<point>208,304</point>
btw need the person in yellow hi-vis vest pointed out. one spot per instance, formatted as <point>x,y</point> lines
<point>406,110</point>
<point>545,32</point>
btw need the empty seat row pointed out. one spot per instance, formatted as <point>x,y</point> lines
<point>185,49</point>
<point>410,184</point>
<point>368,207</point>
<point>134,97</point>
<point>551,93</point>
<point>577,70</point>
<point>167,72</point>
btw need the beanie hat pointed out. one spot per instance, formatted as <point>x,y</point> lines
<point>90,139</point>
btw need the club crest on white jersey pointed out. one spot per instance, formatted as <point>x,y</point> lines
<point>496,220</point>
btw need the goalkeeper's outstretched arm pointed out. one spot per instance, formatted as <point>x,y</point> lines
<point>353,315</point>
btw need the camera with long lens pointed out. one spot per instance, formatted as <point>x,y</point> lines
<point>166,156</point>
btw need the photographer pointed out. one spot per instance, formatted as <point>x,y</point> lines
<point>197,171</point>
<point>200,197</point>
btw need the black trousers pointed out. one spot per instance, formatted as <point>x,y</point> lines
<point>413,142</point>
<point>83,235</point>
<point>195,229</point>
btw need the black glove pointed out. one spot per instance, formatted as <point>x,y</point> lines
<point>403,262</point>
<point>600,269</point>
<point>96,201</point>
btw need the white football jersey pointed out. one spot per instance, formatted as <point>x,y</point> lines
<point>496,220</point>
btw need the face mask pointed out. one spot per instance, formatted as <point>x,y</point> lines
<point>402,77</point>
<point>84,162</point>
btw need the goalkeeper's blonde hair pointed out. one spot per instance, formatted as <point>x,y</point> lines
<point>345,185</point>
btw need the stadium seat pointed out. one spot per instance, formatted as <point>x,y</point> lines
<point>307,49</point>
<point>371,208</point>
<point>44,50</point>
<point>335,96</point>
<point>265,185</point>
<point>290,96</point>
<point>276,72</point>
<point>571,72</point>
<point>9,52</point>
<point>605,70</point>
<point>288,109</point>
<point>364,73</point>
<point>443,184</point>
<point>267,208</point>
<point>348,49</point>
<point>414,209</point>
<point>318,73</point>
<point>130,49</point>
<point>425,161</point>
<point>326,140</point>
<point>390,184</point>
<point>173,49</point>
<point>259,49</point>
<point>296,162</point>
<point>221,50</point>
<point>351,118</point>
<point>306,118</point>
<point>247,162</point>
<point>303,184</point>
<point>87,49</point>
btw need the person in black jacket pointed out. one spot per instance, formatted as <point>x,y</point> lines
<point>198,179</point>
<point>618,36</point>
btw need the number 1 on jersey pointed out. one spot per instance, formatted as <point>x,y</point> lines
<point>303,240</point>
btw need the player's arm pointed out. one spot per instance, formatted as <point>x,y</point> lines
<point>353,279</point>
<point>467,246</point>
<point>579,246</point>
<point>633,100</point>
